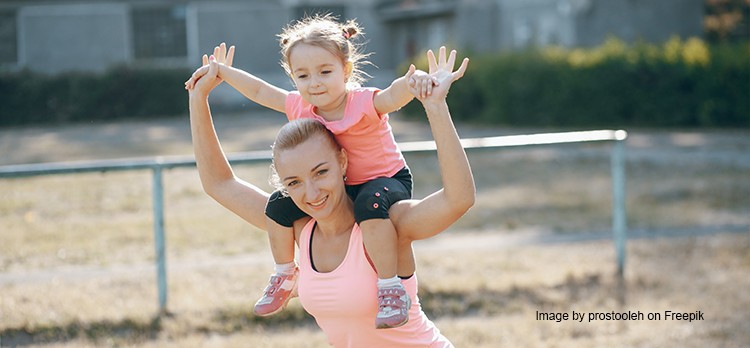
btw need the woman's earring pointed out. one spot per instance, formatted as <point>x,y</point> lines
<point>344,177</point>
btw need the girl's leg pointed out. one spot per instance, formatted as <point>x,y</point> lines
<point>281,213</point>
<point>381,242</point>
<point>281,239</point>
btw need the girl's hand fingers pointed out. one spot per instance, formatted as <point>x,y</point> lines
<point>213,68</point>
<point>412,87</point>
<point>204,59</point>
<point>410,73</point>
<point>200,72</point>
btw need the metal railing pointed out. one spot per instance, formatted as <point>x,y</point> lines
<point>158,164</point>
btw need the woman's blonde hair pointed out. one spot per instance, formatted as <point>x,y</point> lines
<point>292,135</point>
<point>326,32</point>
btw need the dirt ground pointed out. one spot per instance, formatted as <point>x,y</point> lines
<point>76,252</point>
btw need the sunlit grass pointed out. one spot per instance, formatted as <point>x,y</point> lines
<point>489,298</point>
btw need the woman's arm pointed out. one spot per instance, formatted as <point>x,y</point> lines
<point>217,177</point>
<point>420,219</point>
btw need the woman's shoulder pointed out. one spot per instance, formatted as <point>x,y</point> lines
<point>302,228</point>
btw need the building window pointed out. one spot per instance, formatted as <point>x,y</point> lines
<point>159,32</point>
<point>8,38</point>
<point>336,11</point>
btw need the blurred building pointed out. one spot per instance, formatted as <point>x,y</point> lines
<point>55,36</point>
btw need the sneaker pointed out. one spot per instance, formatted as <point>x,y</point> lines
<point>394,304</point>
<point>281,288</point>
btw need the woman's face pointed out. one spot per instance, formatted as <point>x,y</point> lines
<point>319,75</point>
<point>313,174</point>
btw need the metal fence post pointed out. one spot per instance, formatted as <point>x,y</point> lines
<point>161,262</point>
<point>619,228</point>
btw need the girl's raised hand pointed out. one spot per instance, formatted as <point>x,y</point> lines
<point>420,82</point>
<point>221,54</point>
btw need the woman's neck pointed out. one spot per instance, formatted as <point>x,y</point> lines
<point>340,222</point>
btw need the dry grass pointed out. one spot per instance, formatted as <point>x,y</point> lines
<point>76,251</point>
<point>490,298</point>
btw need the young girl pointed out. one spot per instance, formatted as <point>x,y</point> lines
<point>324,64</point>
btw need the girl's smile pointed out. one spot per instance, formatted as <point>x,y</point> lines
<point>320,78</point>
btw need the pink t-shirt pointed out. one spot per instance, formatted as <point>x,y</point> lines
<point>366,136</point>
<point>344,301</point>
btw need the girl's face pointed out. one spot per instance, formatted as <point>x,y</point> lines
<point>319,75</point>
<point>312,173</point>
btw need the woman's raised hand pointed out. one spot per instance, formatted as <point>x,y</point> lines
<point>221,55</point>
<point>441,69</point>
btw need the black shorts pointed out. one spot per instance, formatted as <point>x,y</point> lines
<point>371,199</point>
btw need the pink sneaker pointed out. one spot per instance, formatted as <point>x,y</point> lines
<point>281,288</point>
<point>394,305</point>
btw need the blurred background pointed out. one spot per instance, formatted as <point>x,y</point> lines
<point>635,60</point>
<point>94,80</point>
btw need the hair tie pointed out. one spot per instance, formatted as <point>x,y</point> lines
<point>346,34</point>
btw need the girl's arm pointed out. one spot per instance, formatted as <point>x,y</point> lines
<point>249,85</point>
<point>217,177</point>
<point>420,219</point>
<point>398,93</point>
<point>254,88</point>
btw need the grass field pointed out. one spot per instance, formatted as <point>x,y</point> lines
<point>76,251</point>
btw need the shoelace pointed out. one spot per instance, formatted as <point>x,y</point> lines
<point>273,285</point>
<point>390,298</point>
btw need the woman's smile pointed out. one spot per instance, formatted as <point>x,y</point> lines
<point>313,175</point>
<point>319,203</point>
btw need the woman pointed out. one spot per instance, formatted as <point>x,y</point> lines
<point>336,275</point>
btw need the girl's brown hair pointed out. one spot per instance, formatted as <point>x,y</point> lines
<point>326,32</point>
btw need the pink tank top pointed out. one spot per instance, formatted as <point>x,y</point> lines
<point>366,136</point>
<point>344,301</point>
